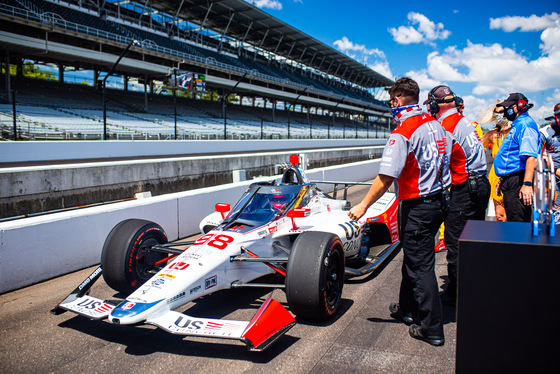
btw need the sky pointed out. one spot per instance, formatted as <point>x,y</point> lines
<point>482,50</point>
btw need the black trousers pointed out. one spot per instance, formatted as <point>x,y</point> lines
<point>462,207</point>
<point>419,293</point>
<point>515,209</point>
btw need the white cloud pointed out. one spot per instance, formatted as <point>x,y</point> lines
<point>424,81</point>
<point>426,31</point>
<point>551,40</point>
<point>361,53</point>
<point>531,23</point>
<point>270,4</point>
<point>406,35</point>
<point>475,107</point>
<point>547,107</point>
<point>382,67</point>
<point>345,45</point>
<point>496,69</point>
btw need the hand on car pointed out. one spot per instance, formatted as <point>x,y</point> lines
<point>357,212</point>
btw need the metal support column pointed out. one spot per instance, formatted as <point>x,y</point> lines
<point>104,85</point>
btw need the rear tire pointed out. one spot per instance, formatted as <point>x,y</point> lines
<point>315,276</point>
<point>125,260</point>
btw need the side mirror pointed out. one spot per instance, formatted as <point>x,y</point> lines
<point>298,213</point>
<point>223,209</point>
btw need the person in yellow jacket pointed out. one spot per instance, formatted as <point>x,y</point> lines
<point>493,139</point>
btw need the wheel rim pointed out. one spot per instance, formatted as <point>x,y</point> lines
<point>334,278</point>
<point>145,260</point>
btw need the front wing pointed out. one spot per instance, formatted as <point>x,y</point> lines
<point>270,322</point>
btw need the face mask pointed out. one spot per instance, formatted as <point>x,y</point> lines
<point>396,110</point>
<point>510,114</point>
<point>499,118</point>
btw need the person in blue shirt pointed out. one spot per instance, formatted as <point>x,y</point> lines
<point>517,157</point>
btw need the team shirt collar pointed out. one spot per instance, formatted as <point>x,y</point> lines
<point>447,114</point>
<point>518,119</point>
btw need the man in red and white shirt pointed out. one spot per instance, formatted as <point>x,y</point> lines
<point>470,189</point>
<point>416,155</point>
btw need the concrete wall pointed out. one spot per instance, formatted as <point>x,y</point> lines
<point>38,248</point>
<point>33,189</point>
<point>72,150</point>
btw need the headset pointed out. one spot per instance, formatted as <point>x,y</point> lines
<point>433,106</point>
<point>522,106</point>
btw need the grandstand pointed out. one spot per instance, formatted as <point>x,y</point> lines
<point>266,78</point>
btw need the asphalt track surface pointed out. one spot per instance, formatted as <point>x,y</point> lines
<point>362,338</point>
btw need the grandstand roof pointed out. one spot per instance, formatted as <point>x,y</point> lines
<point>247,23</point>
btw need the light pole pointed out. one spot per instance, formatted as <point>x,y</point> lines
<point>104,85</point>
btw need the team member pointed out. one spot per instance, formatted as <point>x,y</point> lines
<point>494,139</point>
<point>516,158</point>
<point>470,189</point>
<point>417,155</point>
<point>552,144</point>
<point>555,119</point>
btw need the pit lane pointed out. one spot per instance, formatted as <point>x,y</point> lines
<point>363,338</point>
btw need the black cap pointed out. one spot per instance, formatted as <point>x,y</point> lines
<point>441,94</point>
<point>513,99</point>
<point>556,112</point>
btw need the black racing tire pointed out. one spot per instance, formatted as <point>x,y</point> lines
<point>315,276</point>
<point>125,260</point>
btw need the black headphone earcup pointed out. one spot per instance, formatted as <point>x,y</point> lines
<point>555,125</point>
<point>433,106</point>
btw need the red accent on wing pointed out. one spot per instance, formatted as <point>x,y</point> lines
<point>271,319</point>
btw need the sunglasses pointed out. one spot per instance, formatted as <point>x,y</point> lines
<point>391,101</point>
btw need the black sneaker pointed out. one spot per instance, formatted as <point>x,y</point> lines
<point>417,332</point>
<point>397,314</point>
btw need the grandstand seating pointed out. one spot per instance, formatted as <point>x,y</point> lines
<point>51,110</point>
<point>157,34</point>
<point>70,111</point>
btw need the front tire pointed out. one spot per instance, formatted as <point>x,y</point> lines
<point>315,276</point>
<point>125,259</point>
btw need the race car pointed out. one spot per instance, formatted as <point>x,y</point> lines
<point>288,227</point>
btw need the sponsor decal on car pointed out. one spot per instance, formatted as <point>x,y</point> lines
<point>128,306</point>
<point>176,297</point>
<point>210,282</point>
<point>158,281</point>
<point>93,275</point>
<point>103,308</point>
<point>89,303</point>
<point>204,327</point>
<point>137,300</point>
<point>195,289</point>
<point>190,256</point>
<point>272,229</point>
<point>178,265</point>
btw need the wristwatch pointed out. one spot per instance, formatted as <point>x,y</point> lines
<point>527,183</point>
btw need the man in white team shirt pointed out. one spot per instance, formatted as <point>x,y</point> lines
<point>416,155</point>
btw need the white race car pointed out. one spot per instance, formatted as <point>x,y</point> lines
<point>289,227</point>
